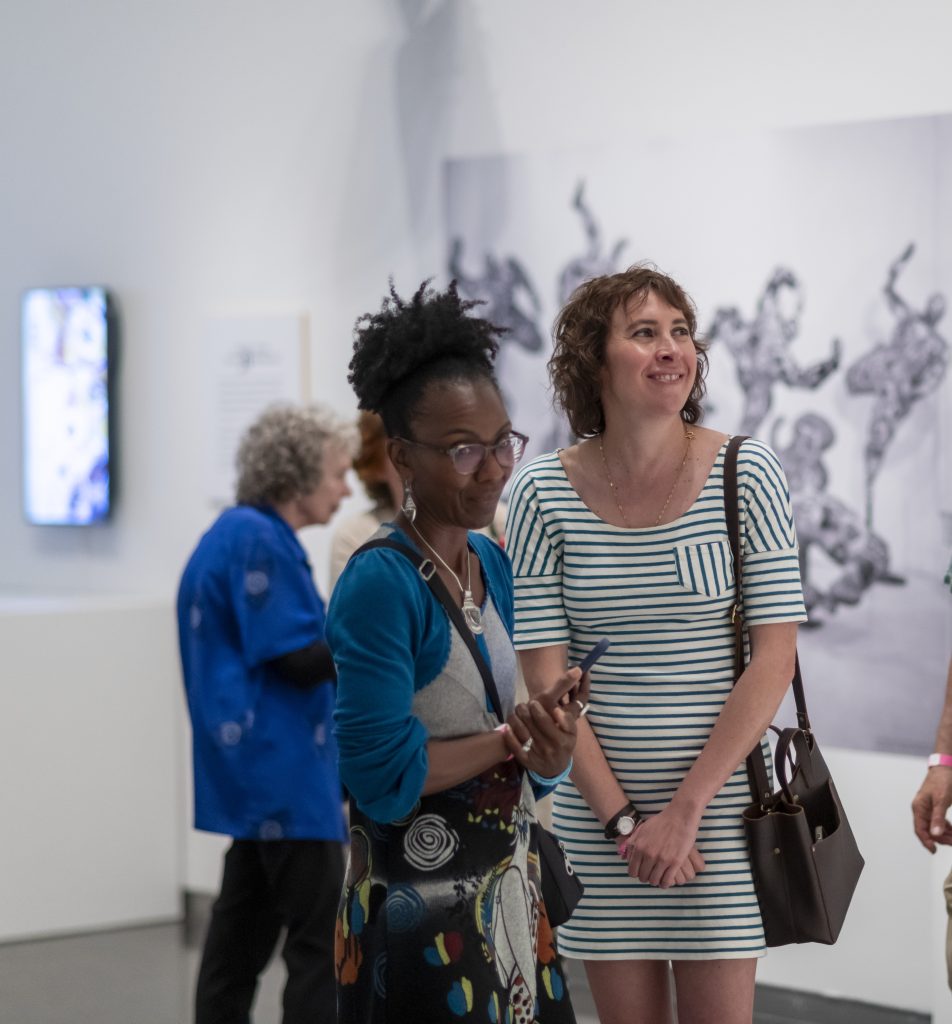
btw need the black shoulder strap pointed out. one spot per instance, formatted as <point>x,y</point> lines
<point>428,574</point>
<point>757,777</point>
<point>756,763</point>
<point>733,532</point>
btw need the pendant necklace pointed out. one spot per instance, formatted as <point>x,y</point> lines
<point>471,613</point>
<point>688,438</point>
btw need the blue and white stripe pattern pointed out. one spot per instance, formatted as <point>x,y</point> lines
<point>663,595</point>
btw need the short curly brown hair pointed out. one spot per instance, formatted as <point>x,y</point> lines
<point>581,330</point>
<point>281,455</point>
<point>370,464</point>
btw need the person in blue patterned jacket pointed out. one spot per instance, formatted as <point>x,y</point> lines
<point>259,681</point>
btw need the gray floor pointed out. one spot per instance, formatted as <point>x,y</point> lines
<point>145,976</point>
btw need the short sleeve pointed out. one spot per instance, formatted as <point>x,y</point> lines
<point>375,628</point>
<point>276,604</point>
<point>771,575</point>
<point>536,555</point>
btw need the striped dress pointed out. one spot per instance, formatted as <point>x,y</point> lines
<point>663,596</point>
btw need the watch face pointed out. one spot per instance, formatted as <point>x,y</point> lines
<point>625,825</point>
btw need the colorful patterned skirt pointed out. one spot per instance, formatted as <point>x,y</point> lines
<point>441,917</point>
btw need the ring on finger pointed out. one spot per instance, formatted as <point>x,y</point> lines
<point>527,746</point>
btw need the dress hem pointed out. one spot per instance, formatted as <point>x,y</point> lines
<point>738,955</point>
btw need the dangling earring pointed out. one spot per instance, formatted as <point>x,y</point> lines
<point>409,505</point>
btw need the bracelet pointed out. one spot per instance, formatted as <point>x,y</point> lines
<point>940,761</point>
<point>556,779</point>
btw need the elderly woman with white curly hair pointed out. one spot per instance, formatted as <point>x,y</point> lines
<point>257,672</point>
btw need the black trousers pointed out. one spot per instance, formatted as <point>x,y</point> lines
<point>267,885</point>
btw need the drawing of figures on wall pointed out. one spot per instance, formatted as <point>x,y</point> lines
<point>900,372</point>
<point>593,263</point>
<point>853,392</point>
<point>509,301</point>
<point>761,347</point>
<point>826,524</point>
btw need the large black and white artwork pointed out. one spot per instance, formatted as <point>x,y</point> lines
<point>820,264</point>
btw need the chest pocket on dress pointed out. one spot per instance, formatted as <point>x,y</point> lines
<point>705,569</point>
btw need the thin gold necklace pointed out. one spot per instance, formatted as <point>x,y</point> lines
<point>688,438</point>
<point>471,612</point>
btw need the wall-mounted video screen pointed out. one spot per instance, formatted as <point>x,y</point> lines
<point>67,348</point>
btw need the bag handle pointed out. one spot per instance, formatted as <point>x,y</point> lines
<point>756,762</point>
<point>429,575</point>
<point>806,766</point>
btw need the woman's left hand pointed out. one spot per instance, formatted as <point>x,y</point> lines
<point>660,845</point>
<point>552,734</point>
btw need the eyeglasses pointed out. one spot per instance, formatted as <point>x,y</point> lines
<point>469,458</point>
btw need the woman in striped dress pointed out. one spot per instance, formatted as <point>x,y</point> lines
<point>624,535</point>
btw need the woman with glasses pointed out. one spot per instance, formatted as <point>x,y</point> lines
<point>441,914</point>
<point>383,487</point>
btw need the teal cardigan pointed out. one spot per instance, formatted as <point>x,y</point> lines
<point>384,623</point>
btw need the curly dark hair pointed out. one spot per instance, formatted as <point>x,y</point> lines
<point>581,330</point>
<point>407,345</point>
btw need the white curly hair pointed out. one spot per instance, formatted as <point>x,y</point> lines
<point>281,455</point>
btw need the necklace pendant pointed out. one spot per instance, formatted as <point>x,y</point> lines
<point>471,613</point>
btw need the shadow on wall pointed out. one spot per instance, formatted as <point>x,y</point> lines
<point>428,96</point>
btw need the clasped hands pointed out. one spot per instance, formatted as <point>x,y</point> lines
<point>542,731</point>
<point>662,851</point>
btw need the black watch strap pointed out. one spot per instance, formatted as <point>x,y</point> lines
<point>611,826</point>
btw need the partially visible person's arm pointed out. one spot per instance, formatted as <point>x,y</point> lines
<point>278,611</point>
<point>307,667</point>
<point>932,802</point>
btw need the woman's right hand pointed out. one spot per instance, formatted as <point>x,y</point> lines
<point>568,694</point>
<point>542,733</point>
<point>690,868</point>
<point>541,741</point>
<point>662,849</point>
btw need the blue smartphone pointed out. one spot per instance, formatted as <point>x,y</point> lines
<point>594,654</point>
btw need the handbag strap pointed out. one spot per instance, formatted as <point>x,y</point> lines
<point>756,762</point>
<point>811,769</point>
<point>429,575</point>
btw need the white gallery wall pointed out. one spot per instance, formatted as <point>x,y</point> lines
<point>214,159</point>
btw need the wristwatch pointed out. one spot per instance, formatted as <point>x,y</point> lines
<point>623,823</point>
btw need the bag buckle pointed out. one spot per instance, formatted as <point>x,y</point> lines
<point>427,568</point>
